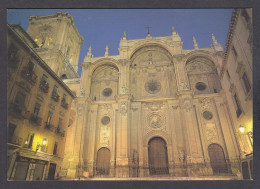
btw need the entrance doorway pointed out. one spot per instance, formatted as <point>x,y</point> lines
<point>103,161</point>
<point>52,169</point>
<point>217,159</point>
<point>158,157</point>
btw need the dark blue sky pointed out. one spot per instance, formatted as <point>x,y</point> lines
<point>106,26</point>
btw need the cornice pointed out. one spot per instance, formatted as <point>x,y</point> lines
<point>232,25</point>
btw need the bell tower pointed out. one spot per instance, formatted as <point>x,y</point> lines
<point>59,42</point>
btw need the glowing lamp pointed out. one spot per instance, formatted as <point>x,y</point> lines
<point>44,142</point>
<point>241,129</point>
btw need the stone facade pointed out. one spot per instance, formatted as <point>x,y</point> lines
<point>155,109</point>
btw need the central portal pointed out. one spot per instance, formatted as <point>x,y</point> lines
<point>158,157</point>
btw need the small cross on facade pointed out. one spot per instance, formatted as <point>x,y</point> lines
<point>148,27</point>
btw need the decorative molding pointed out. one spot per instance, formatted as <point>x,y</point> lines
<point>40,97</point>
<point>52,106</point>
<point>211,132</point>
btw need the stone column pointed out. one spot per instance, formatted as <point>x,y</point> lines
<point>193,145</point>
<point>90,141</point>
<point>122,138</point>
<point>76,161</point>
<point>228,136</point>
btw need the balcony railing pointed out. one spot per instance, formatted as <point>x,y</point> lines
<point>44,86</point>
<point>29,75</point>
<point>49,126</point>
<point>64,104</point>
<point>55,96</point>
<point>19,111</point>
<point>36,120</point>
<point>16,140</point>
<point>59,131</point>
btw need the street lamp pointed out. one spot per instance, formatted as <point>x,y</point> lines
<point>242,129</point>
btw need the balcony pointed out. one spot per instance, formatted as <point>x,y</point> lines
<point>64,104</point>
<point>29,76</point>
<point>60,132</point>
<point>55,96</point>
<point>19,111</point>
<point>44,86</point>
<point>36,120</point>
<point>16,140</point>
<point>49,126</point>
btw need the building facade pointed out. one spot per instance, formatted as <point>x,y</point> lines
<point>236,78</point>
<point>38,111</point>
<point>155,109</point>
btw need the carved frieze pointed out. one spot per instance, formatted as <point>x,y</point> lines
<point>105,109</point>
<point>154,106</point>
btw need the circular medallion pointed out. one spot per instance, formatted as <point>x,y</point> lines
<point>201,86</point>
<point>107,92</point>
<point>155,121</point>
<point>207,115</point>
<point>105,120</point>
<point>153,86</point>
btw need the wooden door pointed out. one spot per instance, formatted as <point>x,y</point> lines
<point>217,159</point>
<point>103,161</point>
<point>51,174</point>
<point>158,157</point>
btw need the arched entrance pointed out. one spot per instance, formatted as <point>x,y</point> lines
<point>103,161</point>
<point>217,159</point>
<point>158,157</point>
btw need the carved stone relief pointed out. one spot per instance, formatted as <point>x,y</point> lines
<point>205,103</point>
<point>154,106</point>
<point>123,108</point>
<point>211,132</point>
<point>104,135</point>
<point>187,104</point>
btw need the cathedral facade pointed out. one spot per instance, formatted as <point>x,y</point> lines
<point>153,110</point>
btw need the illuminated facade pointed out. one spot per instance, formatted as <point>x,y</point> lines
<point>38,111</point>
<point>155,109</point>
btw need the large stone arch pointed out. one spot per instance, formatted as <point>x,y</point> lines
<point>104,80</point>
<point>201,70</point>
<point>102,62</point>
<point>166,137</point>
<point>142,45</point>
<point>200,53</point>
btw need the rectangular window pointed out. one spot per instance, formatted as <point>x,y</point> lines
<point>245,15</point>
<point>246,83</point>
<point>30,68</point>
<point>12,52</point>
<point>49,118</point>
<point>228,75</point>
<point>64,99</point>
<point>36,110</point>
<point>20,99</point>
<point>234,51</point>
<point>31,140</point>
<point>60,123</point>
<point>11,129</point>
<point>237,104</point>
<point>55,89</point>
<point>55,149</point>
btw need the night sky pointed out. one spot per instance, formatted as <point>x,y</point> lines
<point>101,27</point>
